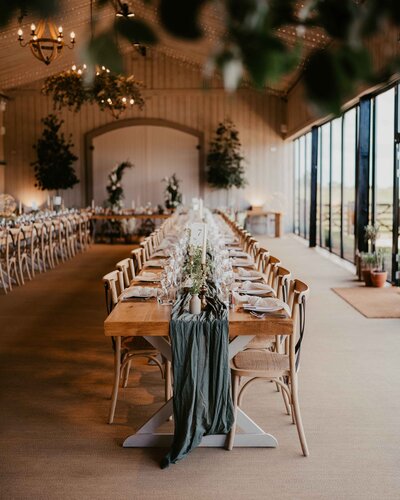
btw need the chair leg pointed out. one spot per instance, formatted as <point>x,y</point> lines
<point>117,374</point>
<point>298,420</point>
<point>235,391</point>
<point>126,374</point>
<point>168,384</point>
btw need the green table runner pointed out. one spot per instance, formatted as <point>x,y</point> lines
<point>202,397</point>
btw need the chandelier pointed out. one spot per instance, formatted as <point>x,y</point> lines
<point>46,41</point>
<point>111,92</point>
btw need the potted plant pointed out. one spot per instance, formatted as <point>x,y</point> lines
<point>53,166</point>
<point>225,163</point>
<point>368,262</point>
<point>378,273</point>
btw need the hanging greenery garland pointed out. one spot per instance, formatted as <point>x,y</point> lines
<point>111,92</point>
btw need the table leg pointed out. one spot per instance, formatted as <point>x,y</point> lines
<point>146,437</point>
<point>278,225</point>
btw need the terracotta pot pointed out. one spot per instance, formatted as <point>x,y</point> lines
<point>378,278</point>
<point>366,274</point>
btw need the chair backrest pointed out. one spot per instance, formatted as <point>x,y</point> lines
<point>127,268</point>
<point>137,256</point>
<point>298,295</point>
<point>282,283</point>
<point>262,254</point>
<point>114,286</point>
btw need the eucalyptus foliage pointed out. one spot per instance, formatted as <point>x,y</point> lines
<point>225,167</point>
<point>249,42</point>
<point>172,194</point>
<point>53,166</point>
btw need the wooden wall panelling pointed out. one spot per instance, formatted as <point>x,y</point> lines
<point>174,91</point>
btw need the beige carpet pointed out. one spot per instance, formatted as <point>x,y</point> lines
<point>56,375</point>
<point>373,302</point>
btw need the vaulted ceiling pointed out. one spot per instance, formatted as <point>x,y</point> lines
<point>18,67</point>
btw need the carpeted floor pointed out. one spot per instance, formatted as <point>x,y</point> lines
<point>56,373</point>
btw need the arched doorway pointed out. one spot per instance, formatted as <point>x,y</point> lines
<point>157,148</point>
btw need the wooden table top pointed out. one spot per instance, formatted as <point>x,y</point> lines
<point>148,317</point>
<point>128,216</point>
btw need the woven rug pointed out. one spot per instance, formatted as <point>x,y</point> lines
<point>373,302</point>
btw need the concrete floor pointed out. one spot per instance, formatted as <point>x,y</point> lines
<point>56,373</point>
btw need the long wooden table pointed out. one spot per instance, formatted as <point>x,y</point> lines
<point>150,320</point>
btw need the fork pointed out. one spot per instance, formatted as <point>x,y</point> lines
<point>258,315</point>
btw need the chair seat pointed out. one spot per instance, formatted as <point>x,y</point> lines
<point>136,344</point>
<point>261,342</point>
<point>261,363</point>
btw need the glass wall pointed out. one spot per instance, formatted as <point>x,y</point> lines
<point>384,169</point>
<point>335,216</point>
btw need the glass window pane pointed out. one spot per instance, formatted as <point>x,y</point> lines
<point>336,185</point>
<point>349,181</point>
<point>308,184</point>
<point>302,193</point>
<point>296,186</point>
<point>384,164</point>
<point>325,183</point>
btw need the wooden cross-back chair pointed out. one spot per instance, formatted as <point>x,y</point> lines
<point>131,347</point>
<point>279,367</point>
<point>127,268</point>
<point>138,260</point>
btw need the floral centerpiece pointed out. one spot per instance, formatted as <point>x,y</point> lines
<point>173,197</point>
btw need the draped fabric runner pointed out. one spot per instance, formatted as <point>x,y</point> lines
<point>202,398</point>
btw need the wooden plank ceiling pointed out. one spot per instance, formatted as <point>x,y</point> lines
<point>18,67</point>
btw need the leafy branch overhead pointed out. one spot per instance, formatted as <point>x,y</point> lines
<point>225,167</point>
<point>250,42</point>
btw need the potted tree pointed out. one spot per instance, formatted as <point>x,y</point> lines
<point>368,260</point>
<point>225,163</point>
<point>53,166</point>
<point>378,273</point>
<point>172,194</point>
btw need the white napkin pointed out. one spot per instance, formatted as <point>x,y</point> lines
<point>249,286</point>
<point>242,262</point>
<point>233,252</point>
<point>147,276</point>
<point>139,291</point>
<point>268,304</point>
<point>154,263</point>
<point>158,253</point>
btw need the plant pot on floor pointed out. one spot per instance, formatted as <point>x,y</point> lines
<point>378,278</point>
<point>366,276</point>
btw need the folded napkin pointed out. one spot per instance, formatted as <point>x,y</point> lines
<point>147,276</point>
<point>251,287</point>
<point>267,304</point>
<point>246,274</point>
<point>242,262</point>
<point>139,292</point>
<point>233,252</point>
<point>155,263</point>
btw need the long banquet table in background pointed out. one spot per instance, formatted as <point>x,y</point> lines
<point>150,320</point>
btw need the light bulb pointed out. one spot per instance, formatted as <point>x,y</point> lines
<point>33,27</point>
<point>74,68</point>
<point>60,29</point>
<point>20,32</point>
<point>84,66</point>
<point>109,101</point>
<point>35,37</point>
<point>132,101</point>
<point>79,71</point>
<point>124,99</point>
<point>72,35</point>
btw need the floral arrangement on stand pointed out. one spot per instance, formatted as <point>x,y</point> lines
<point>114,187</point>
<point>173,197</point>
<point>110,91</point>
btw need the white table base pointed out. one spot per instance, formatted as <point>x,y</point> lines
<point>147,437</point>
